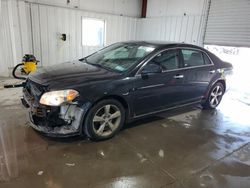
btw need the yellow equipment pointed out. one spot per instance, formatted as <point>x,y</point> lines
<point>28,65</point>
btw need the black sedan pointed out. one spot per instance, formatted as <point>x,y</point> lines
<point>96,95</point>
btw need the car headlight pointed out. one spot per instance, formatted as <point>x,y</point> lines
<point>56,98</point>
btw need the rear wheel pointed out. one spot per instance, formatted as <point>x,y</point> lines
<point>215,95</point>
<point>104,120</point>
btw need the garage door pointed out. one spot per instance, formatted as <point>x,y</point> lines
<point>229,23</point>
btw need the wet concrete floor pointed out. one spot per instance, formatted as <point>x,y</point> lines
<point>182,148</point>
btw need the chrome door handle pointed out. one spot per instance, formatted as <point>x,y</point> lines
<point>179,76</point>
<point>212,71</point>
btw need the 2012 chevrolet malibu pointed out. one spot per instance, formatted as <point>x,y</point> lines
<point>98,94</point>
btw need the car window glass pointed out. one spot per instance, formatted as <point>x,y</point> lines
<point>120,53</point>
<point>168,60</point>
<point>143,51</point>
<point>119,57</point>
<point>206,59</point>
<point>192,58</point>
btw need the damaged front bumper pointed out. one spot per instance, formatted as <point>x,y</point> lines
<point>63,130</point>
<point>62,121</point>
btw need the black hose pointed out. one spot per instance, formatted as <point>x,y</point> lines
<point>14,86</point>
<point>14,72</point>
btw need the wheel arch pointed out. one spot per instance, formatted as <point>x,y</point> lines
<point>204,102</point>
<point>222,81</point>
<point>114,97</point>
<point>120,99</point>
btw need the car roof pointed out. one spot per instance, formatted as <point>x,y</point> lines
<point>164,44</point>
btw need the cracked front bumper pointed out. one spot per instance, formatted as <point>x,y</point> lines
<point>59,131</point>
<point>61,121</point>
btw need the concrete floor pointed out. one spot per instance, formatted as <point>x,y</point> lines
<point>182,148</point>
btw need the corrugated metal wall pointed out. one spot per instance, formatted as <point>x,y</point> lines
<point>116,7</point>
<point>161,8</point>
<point>49,22</point>
<point>6,56</point>
<point>5,48</point>
<point>14,34</point>
<point>172,22</point>
<point>187,29</point>
<point>35,28</point>
<point>229,23</point>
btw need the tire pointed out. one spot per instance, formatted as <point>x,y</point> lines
<point>104,120</point>
<point>215,96</point>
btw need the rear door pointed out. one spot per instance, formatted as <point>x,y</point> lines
<point>199,70</point>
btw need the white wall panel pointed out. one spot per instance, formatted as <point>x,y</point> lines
<point>174,20</point>
<point>186,29</point>
<point>118,7</point>
<point>53,21</point>
<point>161,8</point>
<point>34,28</point>
<point>6,56</point>
<point>14,34</point>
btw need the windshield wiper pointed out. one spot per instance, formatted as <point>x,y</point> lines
<point>100,65</point>
<point>96,64</point>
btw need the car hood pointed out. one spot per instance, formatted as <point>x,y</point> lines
<point>70,74</point>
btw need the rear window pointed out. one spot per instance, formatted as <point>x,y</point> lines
<point>206,59</point>
<point>192,58</point>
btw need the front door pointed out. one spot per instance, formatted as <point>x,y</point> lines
<point>155,91</point>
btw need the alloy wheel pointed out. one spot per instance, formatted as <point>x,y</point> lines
<point>216,96</point>
<point>106,120</point>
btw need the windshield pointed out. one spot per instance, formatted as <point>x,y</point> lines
<point>119,57</point>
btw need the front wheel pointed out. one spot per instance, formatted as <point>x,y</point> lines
<point>215,95</point>
<point>104,120</point>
